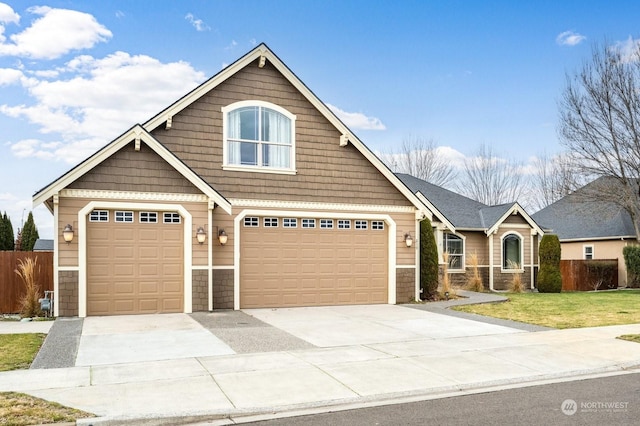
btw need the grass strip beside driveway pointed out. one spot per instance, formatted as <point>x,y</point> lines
<point>17,351</point>
<point>21,409</point>
<point>565,310</point>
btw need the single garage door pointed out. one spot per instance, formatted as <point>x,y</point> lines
<point>312,262</point>
<point>134,263</point>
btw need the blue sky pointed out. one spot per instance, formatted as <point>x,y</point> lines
<point>74,74</point>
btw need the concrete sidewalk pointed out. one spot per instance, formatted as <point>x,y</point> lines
<point>224,387</point>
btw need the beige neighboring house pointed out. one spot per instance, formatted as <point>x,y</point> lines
<point>590,229</point>
<point>504,237</point>
<point>248,192</point>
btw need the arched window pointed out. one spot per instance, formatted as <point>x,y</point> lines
<point>512,252</point>
<point>454,246</point>
<point>258,135</point>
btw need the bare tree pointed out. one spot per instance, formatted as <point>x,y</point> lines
<point>554,178</point>
<point>600,125</point>
<point>492,180</point>
<point>419,157</point>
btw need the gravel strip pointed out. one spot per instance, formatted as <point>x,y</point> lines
<point>246,334</point>
<point>60,348</point>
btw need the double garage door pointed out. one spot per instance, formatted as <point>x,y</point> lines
<point>289,261</point>
<point>134,263</point>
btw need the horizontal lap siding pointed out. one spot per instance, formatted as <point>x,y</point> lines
<point>326,172</point>
<point>478,243</point>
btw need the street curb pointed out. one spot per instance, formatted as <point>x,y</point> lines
<point>247,415</point>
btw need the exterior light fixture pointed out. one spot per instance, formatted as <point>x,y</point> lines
<point>446,295</point>
<point>201,235</point>
<point>222,236</point>
<point>67,233</point>
<point>408,240</point>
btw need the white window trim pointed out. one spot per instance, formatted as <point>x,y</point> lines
<point>290,222</point>
<point>584,251</point>
<point>463,267</point>
<point>346,222</point>
<point>149,215</point>
<point>125,214</point>
<point>270,222</point>
<point>502,268</point>
<point>171,222</point>
<point>99,216</point>
<point>258,169</point>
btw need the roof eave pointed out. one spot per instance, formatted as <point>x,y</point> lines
<point>136,132</point>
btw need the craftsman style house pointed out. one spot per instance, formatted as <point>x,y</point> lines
<point>504,238</point>
<point>247,192</point>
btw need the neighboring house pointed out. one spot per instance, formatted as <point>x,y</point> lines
<point>248,192</point>
<point>43,245</point>
<point>501,236</point>
<point>589,228</point>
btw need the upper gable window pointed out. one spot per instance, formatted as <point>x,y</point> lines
<point>258,136</point>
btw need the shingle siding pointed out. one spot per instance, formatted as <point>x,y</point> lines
<point>326,172</point>
<point>138,171</point>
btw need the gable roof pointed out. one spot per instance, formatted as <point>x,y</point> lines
<point>263,53</point>
<point>576,217</point>
<point>462,212</point>
<point>137,134</point>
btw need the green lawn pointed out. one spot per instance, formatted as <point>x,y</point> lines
<point>17,351</point>
<point>565,310</point>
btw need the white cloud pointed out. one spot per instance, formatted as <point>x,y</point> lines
<point>231,45</point>
<point>7,196</point>
<point>7,15</point>
<point>629,49</point>
<point>570,38</point>
<point>116,92</point>
<point>9,76</point>
<point>198,24</point>
<point>55,33</point>
<point>357,120</point>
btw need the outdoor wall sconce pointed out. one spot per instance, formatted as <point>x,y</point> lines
<point>408,240</point>
<point>201,236</point>
<point>67,233</point>
<point>222,236</point>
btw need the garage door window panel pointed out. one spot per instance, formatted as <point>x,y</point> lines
<point>99,216</point>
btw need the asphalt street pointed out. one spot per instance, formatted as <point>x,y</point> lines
<point>613,400</point>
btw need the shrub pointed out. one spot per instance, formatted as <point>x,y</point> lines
<point>549,277</point>
<point>601,273</point>
<point>631,256</point>
<point>428,261</point>
<point>474,283</point>
<point>29,304</point>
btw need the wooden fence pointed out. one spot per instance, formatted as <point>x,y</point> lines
<point>576,275</point>
<point>12,287</point>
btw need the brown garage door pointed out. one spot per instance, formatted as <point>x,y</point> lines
<point>133,267</point>
<point>312,266</point>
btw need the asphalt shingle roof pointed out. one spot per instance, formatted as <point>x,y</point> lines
<point>461,211</point>
<point>577,217</point>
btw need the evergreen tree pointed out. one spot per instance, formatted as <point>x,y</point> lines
<point>6,233</point>
<point>428,261</point>
<point>29,234</point>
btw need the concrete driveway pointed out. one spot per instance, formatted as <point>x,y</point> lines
<point>329,326</point>
<point>138,338</point>
<point>142,338</point>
